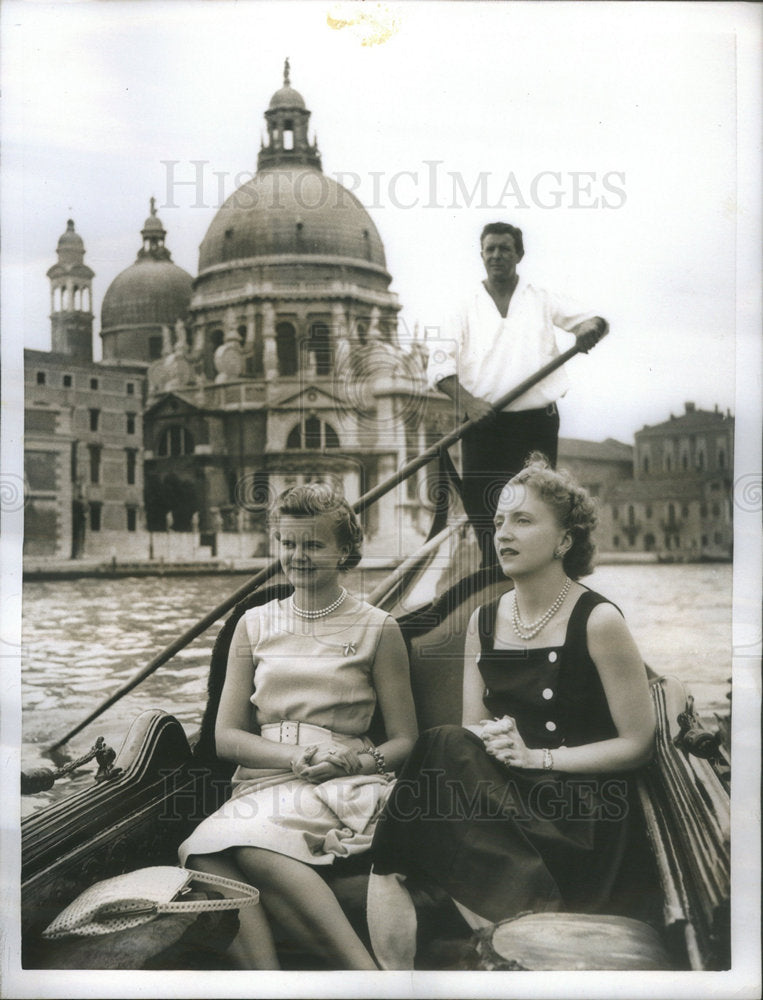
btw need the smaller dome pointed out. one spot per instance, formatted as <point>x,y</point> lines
<point>70,239</point>
<point>287,97</point>
<point>149,292</point>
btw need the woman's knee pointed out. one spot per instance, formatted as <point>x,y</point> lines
<point>203,862</point>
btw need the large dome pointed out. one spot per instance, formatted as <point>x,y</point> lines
<point>291,210</point>
<point>148,292</point>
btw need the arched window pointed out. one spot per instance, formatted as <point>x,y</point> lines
<point>631,514</point>
<point>313,433</point>
<point>721,458</point>
<point>645,463</point>
<point>286,349</point>
<point>175,441</point>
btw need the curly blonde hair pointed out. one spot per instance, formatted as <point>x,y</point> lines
<point>313,499</point>
<point>575,509</point>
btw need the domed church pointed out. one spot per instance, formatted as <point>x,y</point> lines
<point>279,363</point>
<point>287,365</point>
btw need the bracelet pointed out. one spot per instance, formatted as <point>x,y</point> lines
<point>378,757</point>
<point>548,760</point>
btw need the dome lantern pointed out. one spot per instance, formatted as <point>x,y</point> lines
<point>287,120</point>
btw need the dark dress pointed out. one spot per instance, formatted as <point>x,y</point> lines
<point>502,840</point>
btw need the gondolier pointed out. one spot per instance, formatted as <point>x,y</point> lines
<point>502,332</point>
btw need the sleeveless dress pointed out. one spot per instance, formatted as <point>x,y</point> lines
<point>316,673</point>
<point>502,840</point>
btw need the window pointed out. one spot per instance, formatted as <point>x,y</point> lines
<point>721,458</point>
<point>95,463</point>
<point>313,433</point>
<point>668,464</point>
<point>684,461</point>
<point>40,378</point>
<point>701,460</point>
<point>716,510</point>
<point>130,417</point>
<point>645,463</point>
<point>703,510</point>
<point>615,513</point>
<point>154,348</point>
<point>704,539</point>
<point>95,515</point>
<point>93,383</point>
<point>320,346</point>
<point>94,418</point>
<point>132,461</point>
<point>616,541</point>
<point>132,518</point>
<point>130,388</point>
<point>67,381</point>
<point>685,510</point>
<point>286,349</point>
<point>175,441</point>
<point>648,510</point>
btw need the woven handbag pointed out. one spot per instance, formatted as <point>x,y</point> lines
<point>137,897</point>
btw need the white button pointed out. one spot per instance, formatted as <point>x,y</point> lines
<point>551,726</point>
<point>548,693</point>
<point>552,657</point>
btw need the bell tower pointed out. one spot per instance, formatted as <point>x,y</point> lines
<point>287,119</point>
<point>71,298</point>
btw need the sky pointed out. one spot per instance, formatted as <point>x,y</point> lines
<point>610,133</point>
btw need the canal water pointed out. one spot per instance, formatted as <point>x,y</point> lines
<point>84,638</point>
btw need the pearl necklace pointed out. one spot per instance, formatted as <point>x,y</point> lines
<point>304,613</point>
<point>530,631</point>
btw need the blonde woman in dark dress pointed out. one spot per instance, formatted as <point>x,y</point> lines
<point>523,807</point>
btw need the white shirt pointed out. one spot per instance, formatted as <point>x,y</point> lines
<point>490,354</point>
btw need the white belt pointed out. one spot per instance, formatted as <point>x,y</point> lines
<point>297,733</point>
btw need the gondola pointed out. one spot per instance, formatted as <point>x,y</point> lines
<point>671,905</point>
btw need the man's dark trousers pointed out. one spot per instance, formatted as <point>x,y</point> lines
<point>495,451</point>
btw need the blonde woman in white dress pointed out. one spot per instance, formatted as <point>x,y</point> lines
<point>303,678</point>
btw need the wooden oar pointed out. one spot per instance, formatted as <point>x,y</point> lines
<point>265,574</point>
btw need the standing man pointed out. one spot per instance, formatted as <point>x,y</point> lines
<point>503,333</point>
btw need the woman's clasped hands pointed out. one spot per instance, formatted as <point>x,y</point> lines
<point>321,763</point>
<point>502,741</point>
